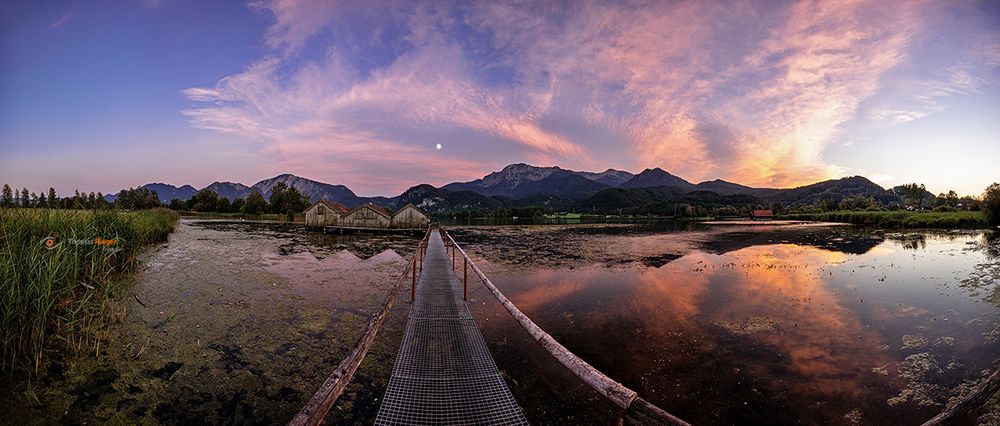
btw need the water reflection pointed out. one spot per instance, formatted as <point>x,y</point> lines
<point>771,328</point>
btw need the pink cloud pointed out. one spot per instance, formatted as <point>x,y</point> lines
<point>743,91</point>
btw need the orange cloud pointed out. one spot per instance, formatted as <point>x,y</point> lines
<point>743,91</point>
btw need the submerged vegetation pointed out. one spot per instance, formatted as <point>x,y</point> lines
<point>899,219</point>
<point>61,271</point>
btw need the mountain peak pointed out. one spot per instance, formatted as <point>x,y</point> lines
<point>655,177</point>
<point>514,174</point>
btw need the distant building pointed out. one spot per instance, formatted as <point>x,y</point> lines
<point>325,213</point>
<point>762,215</point>
<point>367,216</point>
<point>410,217</point>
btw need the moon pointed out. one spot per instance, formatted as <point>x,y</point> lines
<point>438,146</point>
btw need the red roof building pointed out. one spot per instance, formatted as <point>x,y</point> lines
<point>762,214</point>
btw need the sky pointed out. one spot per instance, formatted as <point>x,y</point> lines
<point>380,96</point>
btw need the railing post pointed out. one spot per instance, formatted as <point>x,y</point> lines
<point>465,286</point>
<point>413,287</point>
<point>452,256</point>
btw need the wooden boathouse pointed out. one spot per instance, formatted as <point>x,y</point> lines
<point>325,213</point>
<point>367,216</point>
<point>410,217</point>
<point>335,217</point>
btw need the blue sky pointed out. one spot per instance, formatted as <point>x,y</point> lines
<point>360,93</point>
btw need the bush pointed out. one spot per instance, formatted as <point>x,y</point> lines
<point>945,208</point>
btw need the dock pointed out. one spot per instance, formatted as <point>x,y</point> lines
<point>344,230</point>
<point>444,374</point>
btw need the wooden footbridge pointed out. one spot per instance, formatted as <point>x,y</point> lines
<point>444,373</point>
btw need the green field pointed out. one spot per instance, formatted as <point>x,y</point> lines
<point>63,295</point>
<point>898,219</point>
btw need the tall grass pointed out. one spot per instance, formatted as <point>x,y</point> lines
<point>62,296</point>
<point>899,219</point>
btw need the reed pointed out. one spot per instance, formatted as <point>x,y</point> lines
<point>61,297</point>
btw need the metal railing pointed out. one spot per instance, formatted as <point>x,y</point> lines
<point>319,405</point>
<point>637,410</point>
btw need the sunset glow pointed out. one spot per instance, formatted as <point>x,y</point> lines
<point>365,94</point>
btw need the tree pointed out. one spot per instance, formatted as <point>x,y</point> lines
<point>8,196</point>
<point>237,205</point>
<point>176,204</point>
<point>856,202</point>
<point>42,202</point>
<point>53,199</point>
<point>951,199</point>
<point>205,200</point>
<point>287,200</point>
<point>991,203</point>
<point>727,211</point>
<point>25,201</point>
<point>255,204</point>
<point>222,205</point>
<point>130,199</point>
<point>103,203</point>
<point>277,198</point>
<point>916,193</point>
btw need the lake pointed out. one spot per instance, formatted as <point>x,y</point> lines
<point>763,325</point>
<point>239,322</point>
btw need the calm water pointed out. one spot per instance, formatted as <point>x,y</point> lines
<point>240,323</point>
<point>764,326</point>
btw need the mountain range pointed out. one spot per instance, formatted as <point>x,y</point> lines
<point>555,188</point>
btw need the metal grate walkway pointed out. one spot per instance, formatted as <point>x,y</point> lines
<point>444,374</point>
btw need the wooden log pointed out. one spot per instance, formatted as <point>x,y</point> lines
<point>955,414</point>
<point>642,412</point>
<point>319,405</point>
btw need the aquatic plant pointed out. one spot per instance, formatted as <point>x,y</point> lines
<point>60,272</point>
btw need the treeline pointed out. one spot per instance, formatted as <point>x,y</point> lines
<point>917,197</point>
<point>282,200</point>
<point>127,199</point>
<point>521,212</point>
<point>25,199</point>
<point>919,209</point>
